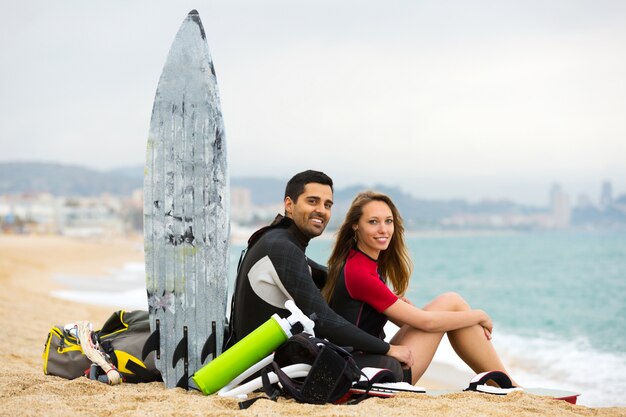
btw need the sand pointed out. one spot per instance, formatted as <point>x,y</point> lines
<point>27,312</point>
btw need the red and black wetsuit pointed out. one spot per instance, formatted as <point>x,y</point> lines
<point>361,296</point>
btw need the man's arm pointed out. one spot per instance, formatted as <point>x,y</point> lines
<point>293,270</point>
<point>318,272</point>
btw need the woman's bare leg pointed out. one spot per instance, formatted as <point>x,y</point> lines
<point>423,346</point>
<point>470,343</point>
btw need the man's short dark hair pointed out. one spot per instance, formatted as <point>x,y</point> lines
<point>296,184</point>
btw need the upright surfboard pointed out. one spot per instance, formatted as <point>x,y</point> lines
<point>186,202</point>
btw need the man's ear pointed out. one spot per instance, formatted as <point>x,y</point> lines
<point>288,206</point>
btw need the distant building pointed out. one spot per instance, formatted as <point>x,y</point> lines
<point>30,213</point>
<point>73,216</point>
<point>606,195</point>
<point>83,217</point>
<point>560,207</point>
<point>241,205</point>
<point>244,212</point>
<point>584,201</point>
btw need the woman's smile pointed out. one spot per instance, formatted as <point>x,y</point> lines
<point>374,229</point>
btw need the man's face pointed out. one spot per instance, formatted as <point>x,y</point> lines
<point>311,211</point>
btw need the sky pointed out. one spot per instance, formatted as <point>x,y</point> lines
<point>445,99</point>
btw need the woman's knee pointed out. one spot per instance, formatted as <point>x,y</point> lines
<point>449,301</point>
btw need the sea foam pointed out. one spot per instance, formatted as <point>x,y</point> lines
<point>574,365</point>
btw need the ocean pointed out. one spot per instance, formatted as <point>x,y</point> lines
<point>558,301</point>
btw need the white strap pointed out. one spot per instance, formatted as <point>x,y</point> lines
<point>299,370</point>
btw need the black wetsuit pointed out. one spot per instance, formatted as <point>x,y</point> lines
<point>280,249</point>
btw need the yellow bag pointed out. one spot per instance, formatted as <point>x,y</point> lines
<point>122,338</point>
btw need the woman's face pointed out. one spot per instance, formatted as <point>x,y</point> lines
<point>374,229</point>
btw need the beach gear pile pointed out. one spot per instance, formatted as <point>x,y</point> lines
<point>304,367</point>
<point>111,354</point>
<point>330,371</point>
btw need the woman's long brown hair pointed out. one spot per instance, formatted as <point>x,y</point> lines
<point>394,263</point>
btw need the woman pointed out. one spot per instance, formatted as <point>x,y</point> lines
<point>369,252</point>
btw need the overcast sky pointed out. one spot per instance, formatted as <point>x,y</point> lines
<point>474,99</point>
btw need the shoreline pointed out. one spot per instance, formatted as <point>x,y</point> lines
<point>28,311</point>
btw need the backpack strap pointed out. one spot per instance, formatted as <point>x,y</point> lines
<point>230,329</point>
<point>271,391</point>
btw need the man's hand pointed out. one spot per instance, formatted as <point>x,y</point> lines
<point>402,353</point>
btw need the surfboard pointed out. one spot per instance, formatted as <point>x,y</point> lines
<point>569,396</point>
<point>390,390</point>
<point>505,387</point>
<point>186,217</point>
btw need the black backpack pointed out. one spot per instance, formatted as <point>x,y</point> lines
<point>333,371</point>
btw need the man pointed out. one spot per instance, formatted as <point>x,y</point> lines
<point>275,268</point>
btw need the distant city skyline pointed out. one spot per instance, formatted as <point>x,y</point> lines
<point>475,100</point>
<point>537,193</point>
<point>117,214</point>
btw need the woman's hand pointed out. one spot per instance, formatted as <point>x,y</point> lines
<point>486,324</point>
<point>402,353</point>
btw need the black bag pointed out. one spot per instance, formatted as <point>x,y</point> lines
<point>122,338</point>
<point>333,371</point>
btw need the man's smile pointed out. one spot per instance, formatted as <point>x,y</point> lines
<point>317,220</point>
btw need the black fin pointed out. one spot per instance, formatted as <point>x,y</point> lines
<point>152,343</point>
<point>181,351</point>
<point>210,346</point>
<point>183,382</point>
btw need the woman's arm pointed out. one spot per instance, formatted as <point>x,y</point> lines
<point>402,312</point>
<point>399,323</point>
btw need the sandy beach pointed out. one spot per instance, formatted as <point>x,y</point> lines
<point>27,311</point>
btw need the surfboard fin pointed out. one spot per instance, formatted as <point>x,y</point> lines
<point>181,351</point>
<point>183,382</point>
<point>210,346</point>
<point>152,343</point>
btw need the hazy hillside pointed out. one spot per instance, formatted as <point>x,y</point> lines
<point>71,180</point>
<point>58,179</point>
<point>419,212</point>
<point>67,180</point>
